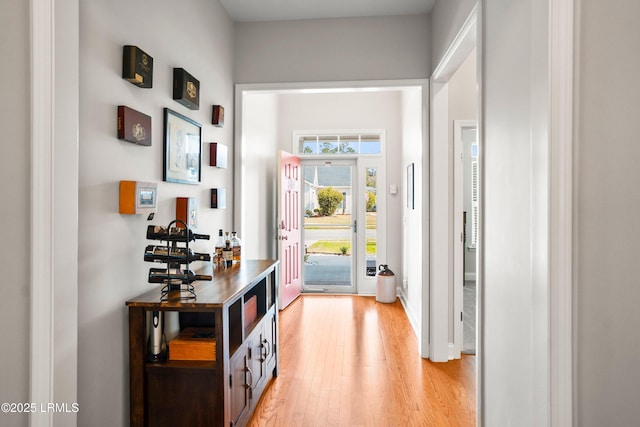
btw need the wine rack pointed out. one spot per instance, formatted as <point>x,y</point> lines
<point>177,282</point>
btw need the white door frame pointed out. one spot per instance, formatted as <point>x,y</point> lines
<point>442,243</point>
<point>561,239</point>
<point>55,124</point>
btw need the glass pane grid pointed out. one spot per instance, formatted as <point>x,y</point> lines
<point>343,144</point>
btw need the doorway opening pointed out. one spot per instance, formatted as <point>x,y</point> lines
<point>466,209</point>
<point>268,115</point>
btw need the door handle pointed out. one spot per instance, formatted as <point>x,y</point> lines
<point>355,226</point>
<point>250,383</point>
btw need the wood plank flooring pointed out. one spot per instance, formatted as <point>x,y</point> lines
<point>349,361</point>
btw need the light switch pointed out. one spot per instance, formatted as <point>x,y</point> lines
<point>393,189</point>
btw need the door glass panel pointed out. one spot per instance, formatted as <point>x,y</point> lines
<point>328,228</point>
<point>371,215</point>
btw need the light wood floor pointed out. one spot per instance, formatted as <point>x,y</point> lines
<point>349,361</point>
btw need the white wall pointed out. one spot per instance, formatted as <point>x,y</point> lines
<point>260,168</point>
<point>198,36</point>
<point>446,19</point>
<point>411,280</point>
<point>333,50</point>
<point>514,335</point>
<point>15,207</point>
<point>606,247</point>
<point>65,209</point>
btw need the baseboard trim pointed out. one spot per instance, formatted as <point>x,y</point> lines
<point>410,315</point>
<point>451,351</point>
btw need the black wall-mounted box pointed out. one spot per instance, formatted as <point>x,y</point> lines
<point>137,66</point>
<point>186,89</point>
<point>218,198</point>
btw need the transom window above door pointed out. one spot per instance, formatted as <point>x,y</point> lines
<point>338,143</point>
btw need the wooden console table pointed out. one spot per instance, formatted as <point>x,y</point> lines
<point>223,392</point>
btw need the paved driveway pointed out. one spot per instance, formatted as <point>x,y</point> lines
<point>327,270</point>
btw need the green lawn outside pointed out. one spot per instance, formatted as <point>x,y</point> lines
<point>334,247</point>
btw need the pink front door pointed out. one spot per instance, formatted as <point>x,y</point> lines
<point>289,229</point>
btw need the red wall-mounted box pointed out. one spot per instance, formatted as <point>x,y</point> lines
<point>217,118</point>
<point>218,155</point>
<point>187,211</point>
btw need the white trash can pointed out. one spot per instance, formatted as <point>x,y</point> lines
<point>386,285</point>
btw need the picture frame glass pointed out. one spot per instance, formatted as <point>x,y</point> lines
<point>182,149</point>
<point>147,198</point>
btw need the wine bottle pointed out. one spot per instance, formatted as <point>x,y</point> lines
<point>158,232</point>
<point>219,247</point>
<point>161,275</point>
<point>236,245</point>
<point>173,255</point>
<point>227,252</point>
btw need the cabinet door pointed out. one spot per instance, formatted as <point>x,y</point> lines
<point>254,359</point>
<point>239,393</point>
<point>267,345</point>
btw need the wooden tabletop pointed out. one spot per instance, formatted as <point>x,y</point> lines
<point>226,285</point>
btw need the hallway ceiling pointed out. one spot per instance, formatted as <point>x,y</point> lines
<point>284,10</point>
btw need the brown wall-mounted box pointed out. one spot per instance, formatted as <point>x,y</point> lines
<point>186,89</point>
<point>218,198</point>
<point>193,344</point>
<point>134,126</point>
<point>137,66</point>
<point>218,155</point>
<point>187,211</point>
<point>218,116</point>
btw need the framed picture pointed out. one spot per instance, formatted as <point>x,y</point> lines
<point>410,195</point>
<point>182,149</point>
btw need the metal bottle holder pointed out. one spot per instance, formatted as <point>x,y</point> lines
<point>175,286</point>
